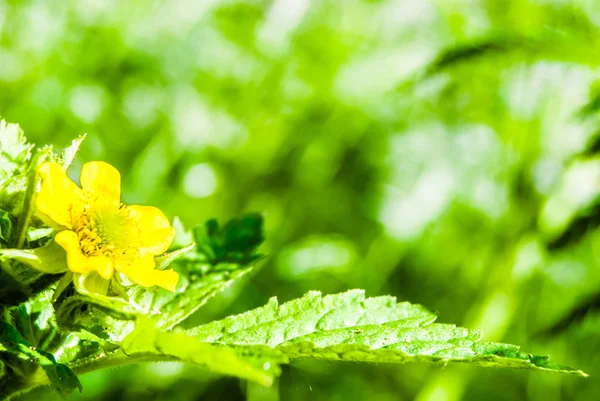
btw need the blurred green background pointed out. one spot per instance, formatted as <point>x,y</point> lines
<point>442,151</point>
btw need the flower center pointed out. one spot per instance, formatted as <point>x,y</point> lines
<point>106,228</point>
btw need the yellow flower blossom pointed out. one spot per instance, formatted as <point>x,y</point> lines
<point>100,234</point>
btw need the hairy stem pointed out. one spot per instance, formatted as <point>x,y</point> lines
<point>40,379</point>
<point>119,359</point>
<point>27,210</point>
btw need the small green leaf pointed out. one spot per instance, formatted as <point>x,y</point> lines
<point>36,234</point>
<point>62,378</point>
<point>10,338</point>
<point>163,261</point>
<point>15,152</point>
<point>15,156</point>
<point>68,154</point>
<point>5,228</point>
<point>236,242</point>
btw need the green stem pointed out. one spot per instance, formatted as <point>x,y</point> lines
<point>40,379</point>
<point>27,210</point>
<point>120,359</point>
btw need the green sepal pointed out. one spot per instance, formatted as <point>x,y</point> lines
<point>50,259</point>
<point>163,261</point>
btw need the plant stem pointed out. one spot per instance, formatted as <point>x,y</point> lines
<point>120,359</point>
<point>40,379</point>
<point>20,233</point>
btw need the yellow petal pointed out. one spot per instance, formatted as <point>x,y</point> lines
<point>102,265</point>
<point>57,196</point>
<point>142,272</point>
<point>77,261</point>
<point>156,233</point>
<point>102,180</point>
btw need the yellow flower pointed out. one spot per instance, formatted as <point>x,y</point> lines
<point>100,234</point>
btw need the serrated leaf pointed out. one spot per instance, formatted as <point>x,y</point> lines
<point>15,152</point>
<point>68,154</point>
<point>85,310</point>
<point>61,377</point>
<point>234,243</point>
<point>274,324</point>
<point>15,156</point>
<point>348,326</point>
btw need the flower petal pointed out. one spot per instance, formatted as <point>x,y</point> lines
<point>102,180</point>
<point>57,196</point>
<point>156,233</point>
<point>102,265</point>
<point>142,272</point>
<point>77,261</point>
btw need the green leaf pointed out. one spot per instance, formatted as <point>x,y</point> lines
<point>480,48</point>
<point>60,376</point>
<point>182,235</point>
<point>163,261</point>
<point>68,154</point>
<point>35,235</point>
<point>348,326</point>
<point>74,310</point>
<point>15,152</point>
<point>15,156</point>
<point>5,228</point>
<point>234,243</point>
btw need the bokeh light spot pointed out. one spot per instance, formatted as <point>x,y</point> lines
<point>200,181</point>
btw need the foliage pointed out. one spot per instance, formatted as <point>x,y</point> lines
<point>92,330</point>
<point>349,327</point>
<point>468,185</point>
